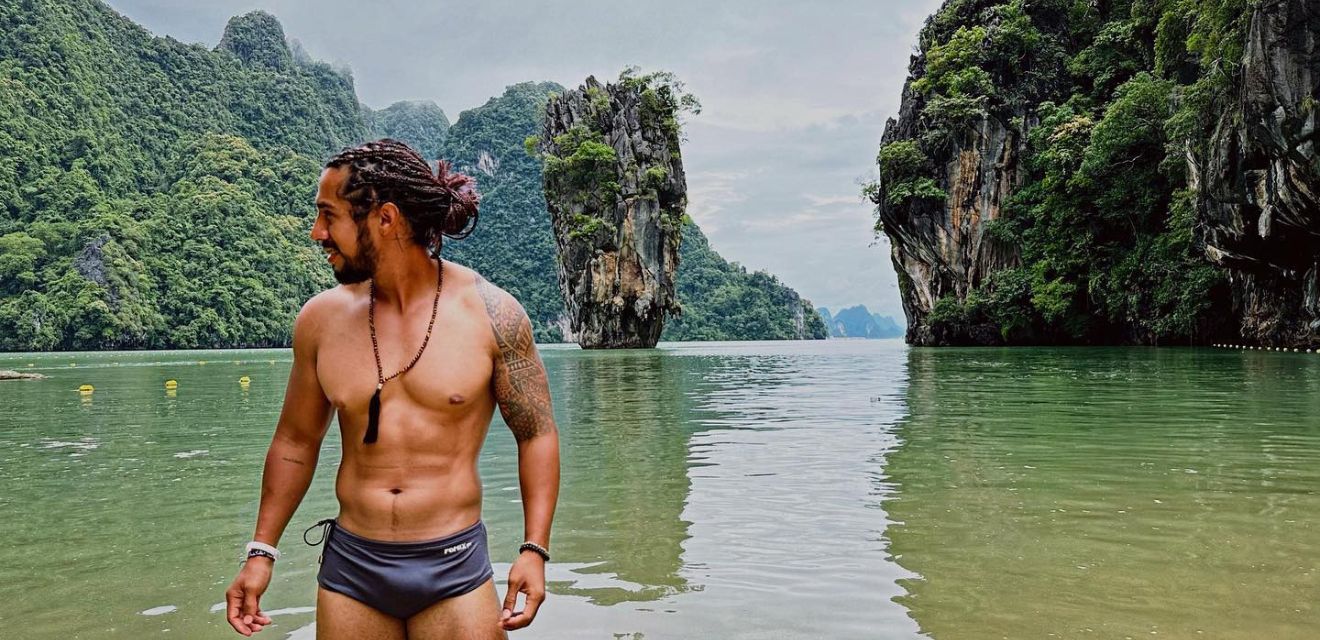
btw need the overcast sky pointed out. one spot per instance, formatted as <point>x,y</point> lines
<point>794,95</point>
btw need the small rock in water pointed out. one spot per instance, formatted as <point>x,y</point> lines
<point>8,374</point>
<point>161,610</point>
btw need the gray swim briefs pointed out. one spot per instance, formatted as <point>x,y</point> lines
<point>403,578</point>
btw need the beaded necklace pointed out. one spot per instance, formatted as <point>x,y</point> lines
<point>373,409</point>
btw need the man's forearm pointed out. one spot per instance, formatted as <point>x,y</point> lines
<point>538,478</point>
<point>288,472</point>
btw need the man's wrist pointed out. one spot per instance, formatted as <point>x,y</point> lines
<point>537,549</point>
<point>256,549</point>
<point>260,561</point>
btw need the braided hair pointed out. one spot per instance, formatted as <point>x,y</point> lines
<point>435,205</point>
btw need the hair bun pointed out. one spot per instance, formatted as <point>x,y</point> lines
<point>463,200</point>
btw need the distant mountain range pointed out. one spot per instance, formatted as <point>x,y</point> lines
<point>858,322</point>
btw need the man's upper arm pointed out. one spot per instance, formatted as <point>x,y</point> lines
<point>306,412</point>
<point>520,384</point>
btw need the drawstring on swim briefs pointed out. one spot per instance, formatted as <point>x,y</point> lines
<point>325,525</point>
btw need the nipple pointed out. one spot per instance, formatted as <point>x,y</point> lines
<point>457,398</point>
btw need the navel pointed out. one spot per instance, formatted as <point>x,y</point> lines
<point>457,398</point>
<point>396,491</point>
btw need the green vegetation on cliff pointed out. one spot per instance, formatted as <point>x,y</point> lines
<point>152,193</point>
<point>512,245</point>
<point>155,194</point>
<point>1110,99</point>
<point>722,301</point>
<point>422,125</point>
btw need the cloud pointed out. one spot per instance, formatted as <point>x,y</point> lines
<point>713,194</point>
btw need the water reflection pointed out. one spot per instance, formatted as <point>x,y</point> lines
<point>1109,492</point>
<point>723,490</point>
<point>787,475</point>
<point>627,420</point>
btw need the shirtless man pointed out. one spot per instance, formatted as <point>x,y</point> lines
<point>407,556</point>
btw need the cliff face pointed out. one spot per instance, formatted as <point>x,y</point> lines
<point>616,192</point>
<point>969,166</point>
<point>940,248</point>
<point>1259,182</point>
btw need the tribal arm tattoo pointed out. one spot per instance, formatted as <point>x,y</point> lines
<point>521,388</point>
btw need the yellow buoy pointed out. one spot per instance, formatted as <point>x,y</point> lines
<point>86,389</point>
<point>244,380</point>
<point>201,362</point>
<point>171,384</point>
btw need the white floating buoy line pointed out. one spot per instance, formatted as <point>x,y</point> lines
<point>1252,347</point>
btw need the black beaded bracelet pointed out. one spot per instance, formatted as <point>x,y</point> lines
<point>532,546</point>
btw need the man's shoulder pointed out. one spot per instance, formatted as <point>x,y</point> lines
<point>333,300</point>
<point>319,312</point>
<point>492,296</point>
<point>337,302</point>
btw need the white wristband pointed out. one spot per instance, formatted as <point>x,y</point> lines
<point>260,546</point>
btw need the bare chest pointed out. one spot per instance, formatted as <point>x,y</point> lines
<point>451,378</point>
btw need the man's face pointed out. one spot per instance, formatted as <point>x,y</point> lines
<point>348,244</point>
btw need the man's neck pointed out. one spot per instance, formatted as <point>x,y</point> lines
<point>405,277</point>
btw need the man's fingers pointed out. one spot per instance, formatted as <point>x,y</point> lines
<point>533,603</point>
<point>524,617</point>
<point>233,600</point>
<point>250,608</point>
<point>259,621</point>
<point>511,598</point>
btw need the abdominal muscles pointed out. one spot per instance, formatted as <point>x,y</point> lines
<point>416,482</point>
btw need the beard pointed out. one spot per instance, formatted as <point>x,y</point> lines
<point>360,267</point>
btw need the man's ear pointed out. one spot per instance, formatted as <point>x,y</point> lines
<point>390,216</point>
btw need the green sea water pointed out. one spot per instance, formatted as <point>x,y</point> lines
<point>832,489</point>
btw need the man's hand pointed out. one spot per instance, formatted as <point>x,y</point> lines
<point>527,576</point>
<point>242,597</point>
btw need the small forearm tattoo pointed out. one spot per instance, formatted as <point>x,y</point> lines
<point>521,387</point>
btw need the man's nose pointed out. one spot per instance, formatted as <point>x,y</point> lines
<point>319,232</point>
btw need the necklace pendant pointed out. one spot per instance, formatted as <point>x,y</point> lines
<point>373,416</point>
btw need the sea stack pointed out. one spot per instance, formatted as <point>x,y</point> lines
<point>616,193</point>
